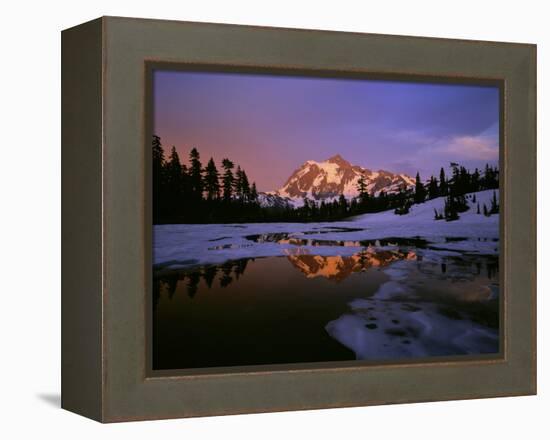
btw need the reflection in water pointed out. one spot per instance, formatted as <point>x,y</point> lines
<point>193,283</point>
<point>337,267</point>
<point>224,273</point>
<point>380,303</point>
<point>209,273</point>
<point>333,267</point>
<point>297,240</point>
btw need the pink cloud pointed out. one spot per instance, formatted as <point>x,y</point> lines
<point>470,147</point>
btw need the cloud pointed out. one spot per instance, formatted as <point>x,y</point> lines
<point>428,152</point>
<point>468,148</point>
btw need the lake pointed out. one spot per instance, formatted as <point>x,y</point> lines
<point>388,301</point>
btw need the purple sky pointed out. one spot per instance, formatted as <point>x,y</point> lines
<point>271,124</point>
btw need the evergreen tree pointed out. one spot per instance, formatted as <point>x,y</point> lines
<point>381,202</point>
<point>238,183</point>
<point>211,181</point>
<point>490,178</point>
<point>475,181</point>
<point>245,186</point>
<point>228,179</point>
<point>343,205</point>
<point>362,188</point>
<point>403,209</point>
<point>174,183</point>
<point>485,211</point>
<point>453,184</point>
<point>185,185</point>
<point>159,180</point>
<point>478,208</point>
<point>433,190</point>
<point>158,157</point>
<point>173,168</point>
<point>253,193</point>
<point>443,188</point>
<point>195,175</point>
<point>324,210</point>
<point>305,207</point>
<point>461,204</point>
<point>419,190</point>
<point>450,209</point>
<point>463,183</point>
<point>313,209</point>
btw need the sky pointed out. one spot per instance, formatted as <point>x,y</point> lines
<point>271,124</point>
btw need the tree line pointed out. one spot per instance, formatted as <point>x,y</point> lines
<point>454,188</point>
<point>193,193</point>
<point>459,185</point>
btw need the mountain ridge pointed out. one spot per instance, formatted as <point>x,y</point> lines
<point>335,176</point>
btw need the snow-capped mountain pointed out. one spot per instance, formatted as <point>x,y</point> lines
<point>335,176</point>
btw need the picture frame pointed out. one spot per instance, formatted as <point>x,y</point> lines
<point>107,236</point>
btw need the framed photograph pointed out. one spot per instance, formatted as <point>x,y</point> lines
<point>263,219</point>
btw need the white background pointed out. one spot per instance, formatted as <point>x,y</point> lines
<point>30,219</point>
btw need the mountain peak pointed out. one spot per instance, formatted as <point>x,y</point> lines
<point>336,176</point>
<point>337,159</point>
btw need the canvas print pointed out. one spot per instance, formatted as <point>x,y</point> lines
<point>301,219</point>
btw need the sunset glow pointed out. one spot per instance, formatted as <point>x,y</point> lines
<point>270,124</point>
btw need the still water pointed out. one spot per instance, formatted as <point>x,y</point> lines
<point>379,304</point>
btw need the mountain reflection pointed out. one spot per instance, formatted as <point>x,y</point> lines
<point>337,267</point>
<point>334,268</point>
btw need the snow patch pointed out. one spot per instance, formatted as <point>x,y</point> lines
<point>473,233</point>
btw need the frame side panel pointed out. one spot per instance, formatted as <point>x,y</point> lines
<point>81,213</point>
